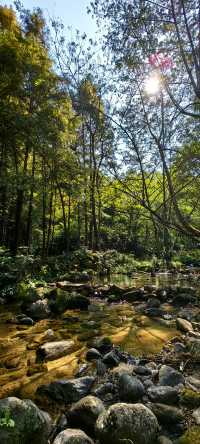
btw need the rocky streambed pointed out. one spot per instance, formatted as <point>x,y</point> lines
<point>108,364</point>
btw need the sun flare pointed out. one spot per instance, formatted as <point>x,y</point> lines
<point>152,85</point>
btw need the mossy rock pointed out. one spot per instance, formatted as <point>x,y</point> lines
<point>192,436</point>
<point>190,398</point>
<point>68,301</point>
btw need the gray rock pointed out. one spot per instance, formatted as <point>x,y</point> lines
<point>179,347</point>
<point>85,413</point>
<point>93,354</point>
<point>183,325</point>
<point>72,436</point>
<point>103,389</point>
<point>127,423</point>
<point>39,310</point>
<point>131,389</point>
<point>169,376</point>
<point>55,350</point>
<point>153,303</point>
<point>30,424</point>
<point>67,390</point>
<point>111,359</point>
<point>26,321</point>
<point>154,312</point>
<point>142,370</point>
<point>148,383</point>
<point>163,394</point>
<point>167,414</point>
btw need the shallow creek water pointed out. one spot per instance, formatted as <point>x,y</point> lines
<point>135,333</point>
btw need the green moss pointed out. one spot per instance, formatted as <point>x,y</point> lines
<point>192,436</point>
<point>190,398</point>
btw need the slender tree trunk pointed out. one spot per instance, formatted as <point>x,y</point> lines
<point>19,205</point>
<point>30,206</point>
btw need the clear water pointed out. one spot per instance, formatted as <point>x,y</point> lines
<point>135,333</point>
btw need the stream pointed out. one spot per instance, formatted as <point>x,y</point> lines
<point>20,375</point>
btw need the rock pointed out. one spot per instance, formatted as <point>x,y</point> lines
<point>123,368</point>
<point>68,301</point>
<point>103,389</point>
<point>164,440</point>
<point>192,436</point>
<point>49,334</point>
<point>163,394</point>
<point>30,424</point>
<point>167,414</point>
<point>179,347</point>
<point>196,416</point>
<point>103,345</point>
<point>154,312</point>
<point>70,286</point>
<point>169,376</point>
<point>39,309</point>
<point>183,325</point>
<point>55,350</point>
<point>130,389</point>
<point>148,383</point>
<point>85,413</point>
<point>133,295</point>
<point>127,423</point>
<point>111,359</point>
<point>190,398</point>
<point>151,365</point>
<point>142,370</point>
<point>100,367</point>
<point>184,299</point>
<point>26,321</point>
<point>93,354</point>
<point>153,302</point>
<point>72,436</point>
<point>67,390</point>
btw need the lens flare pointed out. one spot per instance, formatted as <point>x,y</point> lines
<point>152,85</point>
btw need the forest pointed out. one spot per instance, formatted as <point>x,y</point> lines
<point>97,154</point>
<point>100,225</point>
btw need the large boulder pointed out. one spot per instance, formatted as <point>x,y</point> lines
<point>25,422</point>
<point>67,390</point>
<point>131,389</point>
<point>163,394</point>
<point>85,413</point>
<point>54,350</point>
<point>127,423</point>
<point>169,376</point>
<point>72,436</point>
